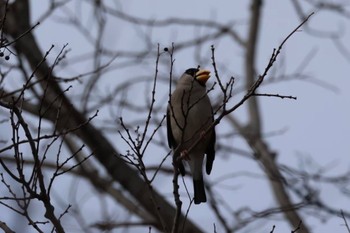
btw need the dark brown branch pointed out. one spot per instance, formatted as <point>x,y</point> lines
<point>250,70</point>
<point>103,150</point>
<point>5,228</point>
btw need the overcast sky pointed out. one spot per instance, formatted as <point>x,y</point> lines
<point>314,127</point>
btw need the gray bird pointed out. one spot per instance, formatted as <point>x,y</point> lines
<point>189,114</point>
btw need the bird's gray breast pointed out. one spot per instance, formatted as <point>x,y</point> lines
<point>192,116</point>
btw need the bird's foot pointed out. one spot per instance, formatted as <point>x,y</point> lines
<point>184,155</point>
<point>202,134</point>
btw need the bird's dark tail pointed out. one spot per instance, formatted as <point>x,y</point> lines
<point>199,192</point>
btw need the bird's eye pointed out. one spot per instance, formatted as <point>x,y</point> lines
<point>191,71</point>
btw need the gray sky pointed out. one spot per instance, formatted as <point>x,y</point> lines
<point>315,127</point>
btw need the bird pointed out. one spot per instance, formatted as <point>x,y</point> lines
<point>189,116</point>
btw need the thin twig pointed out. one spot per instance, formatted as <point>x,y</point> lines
<point>345,221</point>
<point>276,95</point>
<point>153,100</point>
<point>297,228</point>
<point>252,89</point>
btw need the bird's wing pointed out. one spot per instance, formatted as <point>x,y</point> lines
<point>210,152</point>
<point>171,141</point>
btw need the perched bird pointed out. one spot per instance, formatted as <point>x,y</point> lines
<point>189,115</point>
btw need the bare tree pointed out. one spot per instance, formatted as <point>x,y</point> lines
<point>86,127</point>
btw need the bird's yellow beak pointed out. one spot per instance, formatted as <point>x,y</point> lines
<point>203,75</point>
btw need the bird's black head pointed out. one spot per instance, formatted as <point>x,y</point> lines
<point>192,71</point>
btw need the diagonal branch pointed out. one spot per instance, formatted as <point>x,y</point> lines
<point>103,150</point>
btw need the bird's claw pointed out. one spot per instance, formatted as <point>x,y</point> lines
<point>202,134</point>
<point>184,155</point>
